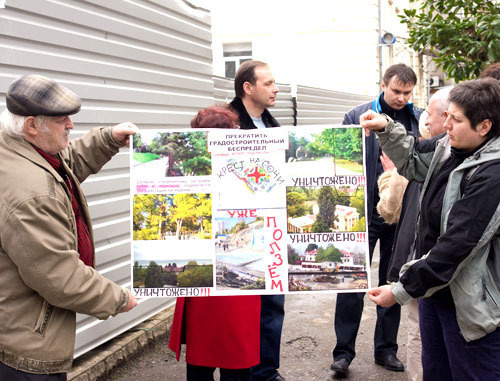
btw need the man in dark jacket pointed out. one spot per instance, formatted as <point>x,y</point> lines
<point>397,86</point>
<point>255,91</point>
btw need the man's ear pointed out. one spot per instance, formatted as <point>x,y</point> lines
<point>247,88</point>
<point>30,126</point>
<point>484,127</point>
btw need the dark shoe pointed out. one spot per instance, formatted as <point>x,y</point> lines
<point>390,362</point>
<point>340,366</point>
<point>278,377</point>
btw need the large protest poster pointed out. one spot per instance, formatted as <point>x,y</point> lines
<point>238,212</point>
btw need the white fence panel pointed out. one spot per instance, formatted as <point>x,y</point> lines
<point>144,61</point>
<point>319,106</point>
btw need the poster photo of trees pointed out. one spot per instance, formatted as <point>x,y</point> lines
<point>158,264</point>
<point>331,151</point>
<point>169,154</point>
<point>181,216</point>
<point>325,209</point>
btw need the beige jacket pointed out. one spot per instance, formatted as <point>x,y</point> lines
<point>392,188</point>
<point>43,282</point>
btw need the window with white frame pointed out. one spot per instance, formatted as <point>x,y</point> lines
<point>234,55</point>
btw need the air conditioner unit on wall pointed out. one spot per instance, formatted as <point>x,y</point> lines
<point>434,81</point>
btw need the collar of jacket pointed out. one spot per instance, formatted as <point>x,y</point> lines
<point>378,108</point>
<point>24,148</point>
<point>246,122</point>
<point>490,150</point>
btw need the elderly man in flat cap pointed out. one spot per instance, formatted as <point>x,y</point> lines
<point>46,244</point>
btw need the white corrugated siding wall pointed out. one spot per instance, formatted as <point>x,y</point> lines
<point>148,62</point>
<point>320,106</point>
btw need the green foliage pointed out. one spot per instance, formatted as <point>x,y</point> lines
<point>137,141</point>
<point>156,214</point>
<point>326,216</point>
<point>311,193</point>
<point>150,216</point>
<point>154,276</point>
<point>144,157</point>
<point>139,273</point>
<point>322,144</point>
<point>292,255</point>
<point>348,144</point>
<point>296,204</point>
<point>170,278</point>
<point>330,254</point>
<point>349,165</point>
<point>196,159</point>
<point>260,284</point>
<point>463,36</point>
<point>358,201</point>
<point>195,275</point>
<point>360,226</point>
<point>311,246</point>
<point>293,145</point>
<point>344,143</point>
<point>238,227</point>
<point>188,151</point>
<point>342,198</point>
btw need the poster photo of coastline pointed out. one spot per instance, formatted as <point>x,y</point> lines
<point>340,265</point>
<point>160,264</point>
<point>325,209</point>
<point>157,154</point>
<point>239,251</point>
<point>319,151</point>
<point>181,216</point>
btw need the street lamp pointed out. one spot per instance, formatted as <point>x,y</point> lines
<point>388,38</point>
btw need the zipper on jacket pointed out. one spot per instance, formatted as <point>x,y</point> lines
<point>486,291</point>
<point>43,318</point>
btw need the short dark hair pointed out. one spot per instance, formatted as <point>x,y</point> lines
<point>492,70</point>
<point>246,73</point>
<point>215,117</point>
<point>405,74</point>
<point>479,99</point>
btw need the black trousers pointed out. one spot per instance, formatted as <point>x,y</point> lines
<point>350,305</point>
<point>272,314</point>
<point>10,374</point>
<point>205,373</point>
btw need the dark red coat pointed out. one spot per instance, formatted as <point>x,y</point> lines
<point>219,331</point>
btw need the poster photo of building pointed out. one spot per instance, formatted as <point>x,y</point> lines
<point>327,266</point>
<point>325,209</point>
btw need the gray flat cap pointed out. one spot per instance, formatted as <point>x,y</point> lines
<point>33,95</point>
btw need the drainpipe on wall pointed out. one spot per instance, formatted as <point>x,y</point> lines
<point>379,45</point>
